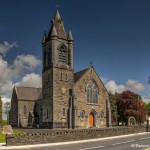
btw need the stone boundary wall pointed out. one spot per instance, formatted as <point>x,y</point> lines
<point>38,136</point>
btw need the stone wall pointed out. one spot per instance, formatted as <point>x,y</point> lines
<point>35,136</point>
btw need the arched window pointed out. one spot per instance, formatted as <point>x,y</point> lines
<point>49,58</point>
<point>41,112</point>
<point>66,77</point>
<point>24,111</point>
<point>92,92</point>
<point>63,54</point>
<point>61,75</point>
<point>82,114</point>
<point>63,112</point>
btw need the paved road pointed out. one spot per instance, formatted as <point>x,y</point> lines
<point>132,142</point>
<point>136,142</point>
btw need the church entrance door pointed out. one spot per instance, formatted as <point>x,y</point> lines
<point>91,120</point>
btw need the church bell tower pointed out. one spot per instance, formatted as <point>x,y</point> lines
<point>57,76</point>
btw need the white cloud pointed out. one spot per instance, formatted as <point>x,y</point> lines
<point>6,89</point>
<point>10,72</point>
<point>146,99</point>
<point>113,87</point>
<point>5,70</point>
<point>31,80</point>
<point>22,64</point>
<point>135,86</point>
<point>132,85</point>
<point>5,47</point>
<point>25,63</point>
<point>4,100</point>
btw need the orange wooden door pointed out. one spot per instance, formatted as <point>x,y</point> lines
<point>91,119</point>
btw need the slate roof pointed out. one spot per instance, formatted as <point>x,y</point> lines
<point>28,93</point>
<point>79,74</point>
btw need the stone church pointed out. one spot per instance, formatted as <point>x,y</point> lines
<point>67,99</point>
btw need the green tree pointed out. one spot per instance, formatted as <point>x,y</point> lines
<point>148,108</point>
<point>113,105</point>
<point>0,111</point>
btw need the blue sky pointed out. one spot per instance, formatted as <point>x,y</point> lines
<point>113,34</point>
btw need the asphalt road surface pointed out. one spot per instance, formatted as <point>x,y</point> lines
<point>135,142</point>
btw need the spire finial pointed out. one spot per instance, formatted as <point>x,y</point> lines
<point>57,16</point>
<point>70,38</point>
<point>54,32</point>
<point>57,28</point>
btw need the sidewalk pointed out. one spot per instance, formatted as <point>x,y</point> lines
<point>3,145</point>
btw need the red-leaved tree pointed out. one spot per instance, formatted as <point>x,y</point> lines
<point>128,105</point>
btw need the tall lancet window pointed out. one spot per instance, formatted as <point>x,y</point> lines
<point>24,111</point>
<point>63,54</point>
<point>92,92</point>
<point>49,57</point>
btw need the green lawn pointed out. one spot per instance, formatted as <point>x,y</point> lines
<point>2,136</point>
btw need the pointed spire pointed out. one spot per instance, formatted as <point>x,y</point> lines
<point>44,38</point>
<point>57,16</point>
<point>70,38</point>
<point>54,33</point>
<point>57,28</point>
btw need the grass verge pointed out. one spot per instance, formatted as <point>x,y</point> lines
<point>3,137</point>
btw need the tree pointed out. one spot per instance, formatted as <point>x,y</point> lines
<point>148,108</point>
<point>1,111</point>
<point>113,106</point>
<point>148,104</point>
<point>128,105</point>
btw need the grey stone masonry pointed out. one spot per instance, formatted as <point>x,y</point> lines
<point>57,76</point>
<point>37,136</point>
